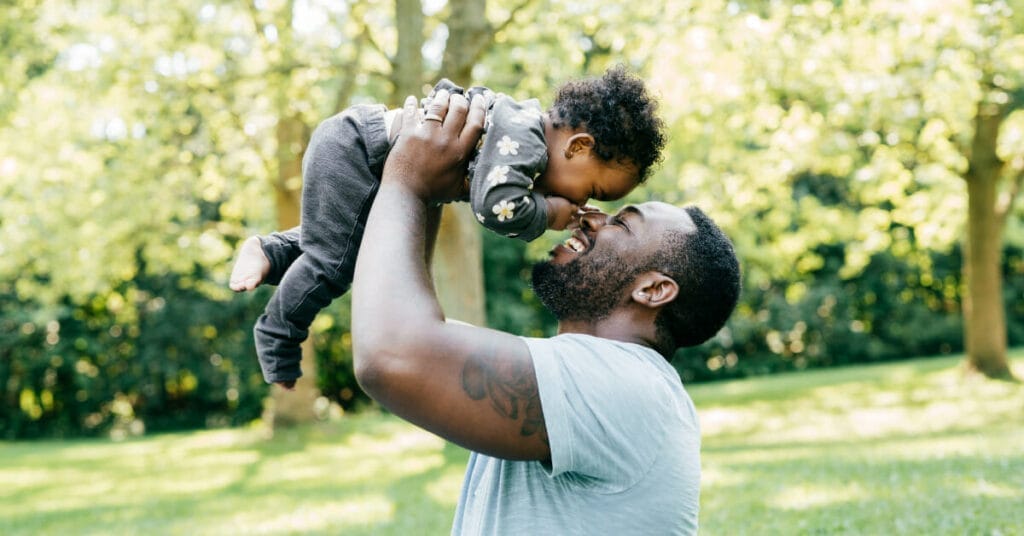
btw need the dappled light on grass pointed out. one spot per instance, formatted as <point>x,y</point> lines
<point>893,402</point>
<point>914,447</point>
<point>367,474</point>
<point>323,518</point>
<point>445,490</point>
<point>804,496</point>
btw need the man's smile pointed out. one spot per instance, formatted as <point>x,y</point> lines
<point>578,243</point>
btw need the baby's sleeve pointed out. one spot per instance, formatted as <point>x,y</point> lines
<point>513,153</point>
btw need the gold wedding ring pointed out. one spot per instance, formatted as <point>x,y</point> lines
<point>433,117</point>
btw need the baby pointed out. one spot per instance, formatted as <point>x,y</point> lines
<point>533,171</point>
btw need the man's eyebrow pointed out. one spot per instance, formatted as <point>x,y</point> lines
<point>630,210</point>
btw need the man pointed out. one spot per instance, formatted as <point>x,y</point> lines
<point>589,432</point>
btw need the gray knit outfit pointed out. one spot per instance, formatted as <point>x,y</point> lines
<point>313,264</point>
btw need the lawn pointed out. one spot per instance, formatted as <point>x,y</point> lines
<point>904,448</point>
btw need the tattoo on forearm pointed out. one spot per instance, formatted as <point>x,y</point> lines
<point>511,389</point>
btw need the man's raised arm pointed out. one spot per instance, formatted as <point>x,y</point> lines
<point>476,387</point>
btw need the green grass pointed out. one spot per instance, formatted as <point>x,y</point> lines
<point>906,448</point>
<point>366,474</point>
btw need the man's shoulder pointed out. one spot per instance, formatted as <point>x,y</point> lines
<point>582,341</point>
<point>599,359</point>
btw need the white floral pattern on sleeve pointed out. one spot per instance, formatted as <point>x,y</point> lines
<point>505,210</point>
<point>498,175</point>
<point>508,146</point>
<point>479,217</point>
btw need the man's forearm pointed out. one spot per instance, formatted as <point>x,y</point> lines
<point>392,289</point>
<point>433,224</point>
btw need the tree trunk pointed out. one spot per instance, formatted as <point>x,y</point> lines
<point>407,66</point>
<point>984,313</point>
<point>458,266</point>
<point>469,34</point>
<point>458,258</point>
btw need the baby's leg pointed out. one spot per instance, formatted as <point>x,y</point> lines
<point>341,174</point>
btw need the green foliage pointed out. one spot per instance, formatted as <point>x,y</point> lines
<point>511,304</point>
<point>139,145</point>
<point>157,355</point>
<point>333,347</point>
<point>894,308</point>
<point>877,97</point>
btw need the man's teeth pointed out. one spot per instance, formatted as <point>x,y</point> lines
<point>574,244</point>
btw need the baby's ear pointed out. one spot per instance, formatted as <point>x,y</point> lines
<point>579,144</point>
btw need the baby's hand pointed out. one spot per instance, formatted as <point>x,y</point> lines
<point>561,212</point>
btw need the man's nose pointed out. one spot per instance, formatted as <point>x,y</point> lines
<point>593,221</point>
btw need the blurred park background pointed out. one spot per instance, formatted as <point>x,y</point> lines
<point>866,157</point>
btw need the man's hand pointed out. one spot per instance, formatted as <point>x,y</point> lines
<point>432,151</point>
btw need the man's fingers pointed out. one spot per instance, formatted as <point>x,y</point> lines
<point>438,106</point>
<point>457,106</point>
<point>409,108</point>
<point>474,120</point>
<point>408,118</point>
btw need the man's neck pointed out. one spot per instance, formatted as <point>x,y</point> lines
<point>607,328</point>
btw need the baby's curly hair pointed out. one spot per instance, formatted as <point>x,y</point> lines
<point>618,112</point>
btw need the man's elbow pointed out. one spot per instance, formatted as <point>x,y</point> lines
<point>384,358</point>
<point>378,362</point>
<point>369,359</point>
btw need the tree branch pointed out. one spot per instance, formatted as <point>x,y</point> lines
<point>1005,206</point>
<point>512,15</point>
<point>344,94</point>
<point>374,44</point>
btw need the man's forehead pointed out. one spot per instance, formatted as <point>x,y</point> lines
<point>670,215</point>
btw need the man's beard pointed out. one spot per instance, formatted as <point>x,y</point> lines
<point>586,288</point>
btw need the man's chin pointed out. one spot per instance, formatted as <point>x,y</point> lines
<point>585,290</point>
<point>542,278</point>
<point>562,290</point>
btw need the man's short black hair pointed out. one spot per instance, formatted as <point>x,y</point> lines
<point>618,112</point>
<point>704,265</point>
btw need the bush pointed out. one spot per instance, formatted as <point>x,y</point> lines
<point>893,310</point>
<point>158,354</point>
<point>154,355</point>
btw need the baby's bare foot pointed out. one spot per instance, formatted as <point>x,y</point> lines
<point>251,266</point>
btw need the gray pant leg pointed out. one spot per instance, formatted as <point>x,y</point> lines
<point>281,250</point>
<point>341,174</point>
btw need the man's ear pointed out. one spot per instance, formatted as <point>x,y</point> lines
<point>655,290</point>
<point>578,144</point>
